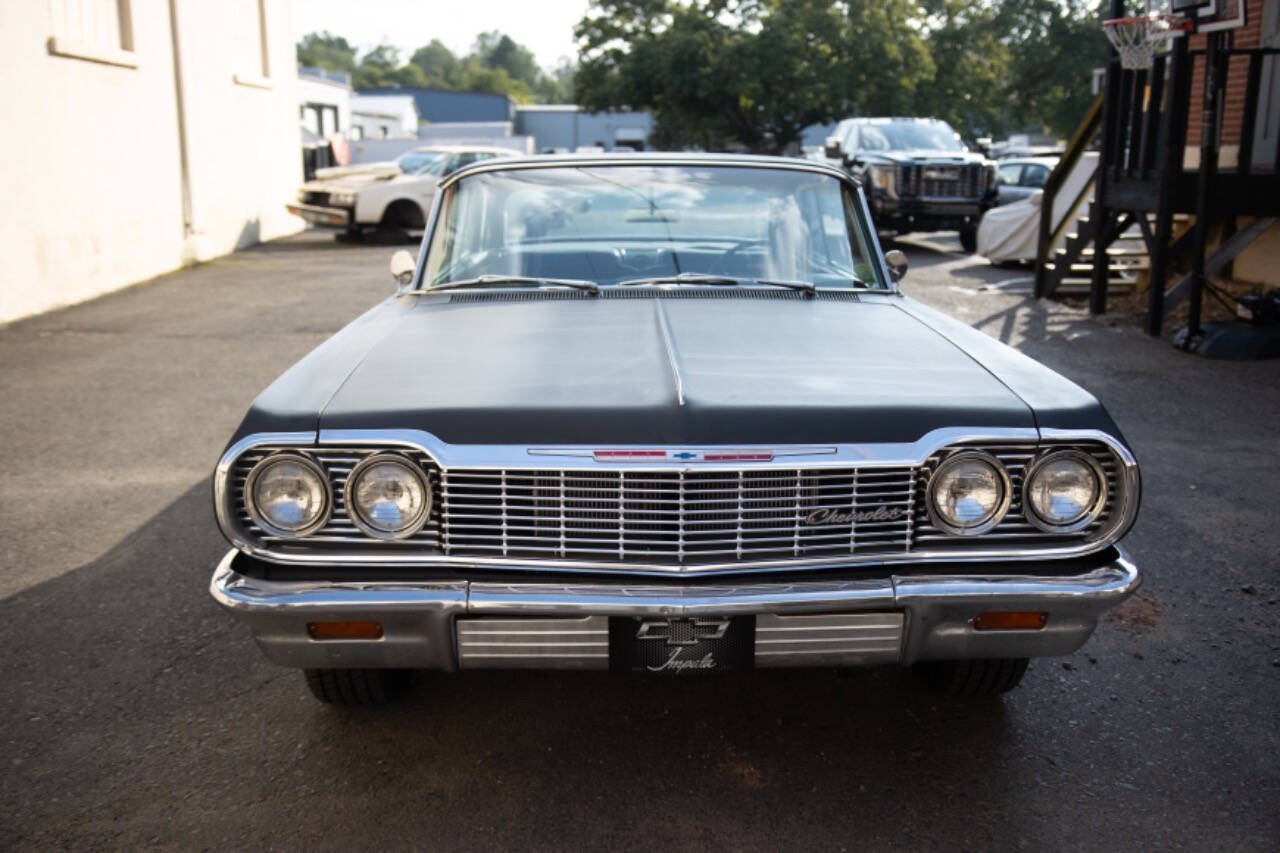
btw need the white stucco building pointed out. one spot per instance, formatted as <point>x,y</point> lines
<point>142,135</point>
<point>383,116</point>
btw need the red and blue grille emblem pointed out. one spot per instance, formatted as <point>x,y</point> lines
<point>658,455</point>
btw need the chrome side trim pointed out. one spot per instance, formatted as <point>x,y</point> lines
<point>495,457</point>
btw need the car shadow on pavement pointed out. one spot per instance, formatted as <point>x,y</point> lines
<point>135,711</point>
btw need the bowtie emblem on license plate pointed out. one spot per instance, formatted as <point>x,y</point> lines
<point>686,644</point>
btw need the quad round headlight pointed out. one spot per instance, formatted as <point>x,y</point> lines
<point>288,495</point>
<point>387,496</point>
<point>969,493</point>
<point>1064,492</point>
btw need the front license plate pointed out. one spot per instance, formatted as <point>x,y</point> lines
<point>682,646</point>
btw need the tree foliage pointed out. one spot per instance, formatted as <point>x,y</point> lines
<point>497,63</point>
<point>754,73</point>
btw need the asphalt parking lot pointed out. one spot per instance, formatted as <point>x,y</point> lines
<point>135,714</point>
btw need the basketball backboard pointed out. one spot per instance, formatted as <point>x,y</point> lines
<point>1209,15</point>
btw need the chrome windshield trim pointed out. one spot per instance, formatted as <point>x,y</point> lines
<point>887,284</point>
<point>616,160</point>
<point>567,457</point>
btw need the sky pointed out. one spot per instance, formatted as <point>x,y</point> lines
<point>543,26</point>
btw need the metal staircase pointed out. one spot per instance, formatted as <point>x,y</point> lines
<point>1070,267</point>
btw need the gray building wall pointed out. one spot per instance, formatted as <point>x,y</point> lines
<point>567,128</point>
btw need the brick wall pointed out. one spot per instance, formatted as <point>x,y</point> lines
<point>1237,80</point>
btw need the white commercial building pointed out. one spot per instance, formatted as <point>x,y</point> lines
<point>383,116</point>
<point>142,135</point>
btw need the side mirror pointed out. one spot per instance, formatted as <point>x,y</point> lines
<point>897,262</point>
<point>402,268</point>
<point>832,148</point>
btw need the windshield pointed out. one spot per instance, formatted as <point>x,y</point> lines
<point>909,136</point>
<point>421,162</point>
<point>609,224</point>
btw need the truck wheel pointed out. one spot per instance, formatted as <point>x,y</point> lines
<point>972,678</point>
<point>357,686</point>
<point>969,239</point>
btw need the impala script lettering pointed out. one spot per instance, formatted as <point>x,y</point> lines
<point>675,663</point>
<point>820,517</point>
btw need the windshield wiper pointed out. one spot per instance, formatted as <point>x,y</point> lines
<point>808,287</point>
<point>498,280</point>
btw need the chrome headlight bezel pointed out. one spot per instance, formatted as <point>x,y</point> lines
<point>250,485</point>
<point>1094,509</point>
<point>353,510</point>
<point>342,199</point>
<point>997,514</point>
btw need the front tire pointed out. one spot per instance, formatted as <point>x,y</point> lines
<point>969,239</point>
<point>357,687</point>
<point>968,679</point>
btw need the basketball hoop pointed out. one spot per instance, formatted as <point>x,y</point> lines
<point>1136,39</point>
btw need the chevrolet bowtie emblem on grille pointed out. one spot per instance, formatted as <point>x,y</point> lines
<point>657,455</point>
<point>683,632</point>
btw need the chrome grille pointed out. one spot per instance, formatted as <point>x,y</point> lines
<point>668,517</point>
<point>677,517</point>
<point>1015,530</point>
<point>339,532</point>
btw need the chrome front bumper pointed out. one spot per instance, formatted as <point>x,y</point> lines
<point>895,619</point>
<point>330,217</point>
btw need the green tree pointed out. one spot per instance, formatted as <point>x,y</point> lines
<point>1054,47</point>
<point>439,65</point>
<point>327,51</point>
<point>753,74</point>
<point>381,67</point>
<point>497,50</point>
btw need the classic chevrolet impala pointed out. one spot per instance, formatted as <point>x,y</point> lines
<point>667,413</point>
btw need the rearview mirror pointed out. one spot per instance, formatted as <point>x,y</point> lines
<point>831,149</point>
<point>402,269</point>
<point>897,262</point>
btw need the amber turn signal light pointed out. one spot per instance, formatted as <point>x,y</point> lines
<point>1011,620</point>
<point>344,630</point>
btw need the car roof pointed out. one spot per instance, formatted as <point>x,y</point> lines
<point>645,158</point>
<point>463,149</point>
<point>897,119</point>
<point>1022,161</point>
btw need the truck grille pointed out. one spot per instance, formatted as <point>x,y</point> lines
<point>925,181</point>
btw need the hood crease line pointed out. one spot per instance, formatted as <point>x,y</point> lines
<point>669,346</point>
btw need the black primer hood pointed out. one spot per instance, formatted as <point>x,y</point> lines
<point>610,371</point>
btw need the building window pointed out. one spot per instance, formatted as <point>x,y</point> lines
<point>251,56</point>
<point>96,30</point>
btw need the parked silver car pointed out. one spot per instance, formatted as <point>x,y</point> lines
<point>1017,179</point>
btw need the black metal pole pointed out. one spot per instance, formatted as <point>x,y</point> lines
<point>1209,125</point>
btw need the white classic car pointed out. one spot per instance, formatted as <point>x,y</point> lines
<point>392,195</point>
